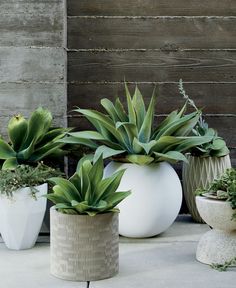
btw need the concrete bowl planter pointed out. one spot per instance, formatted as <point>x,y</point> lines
<point>155,199</point>
<point>84,248</point>
<point>21,217</point>
<point>219,244</point>
<point>200,172</point>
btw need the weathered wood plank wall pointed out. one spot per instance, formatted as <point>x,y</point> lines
<point>32,58</point>
<point>155,41</point>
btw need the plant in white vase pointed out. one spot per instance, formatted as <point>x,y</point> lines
<point>132,141</point>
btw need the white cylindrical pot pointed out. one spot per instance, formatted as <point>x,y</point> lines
<point>219,244</point>
<point>84,248</point>
<point>21,217</point>
<point>199,172</point>
<point>155,200</point>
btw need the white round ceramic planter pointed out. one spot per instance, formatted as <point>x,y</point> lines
<point>155,200</point>
<point>21,217</point>
<point>219,244</point>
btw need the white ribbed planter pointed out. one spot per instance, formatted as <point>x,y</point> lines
<point>199,173</point>
<point>84,248</point>
<point>219,244</point>
<point>155,200</point>
<point>21,217</point>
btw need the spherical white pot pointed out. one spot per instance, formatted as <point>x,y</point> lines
<point>155,200</point>
<point>219,244</point>
<point>21,217</point>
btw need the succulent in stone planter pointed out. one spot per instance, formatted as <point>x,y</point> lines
<point>84,224</point>
<point>30,141</point>
<point>130,136</point>
<point>223,189</point>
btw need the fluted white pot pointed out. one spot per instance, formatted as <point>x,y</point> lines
<point>219,244</point>
<point>155,200</point>
<point>21,217</point>
<point>199,172</point>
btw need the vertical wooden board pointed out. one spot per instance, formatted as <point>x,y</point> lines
<point>212,97</point>
<point>151,33</point>
<point>151,7</point>
<point>152,66</point>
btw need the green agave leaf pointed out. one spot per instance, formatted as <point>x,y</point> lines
<point>70,191</point>
<point>218,144</point>
<point>171,128</point>
<point>17,128</point>
<point>139,107</point>
<point>56,199</point>
<point>137,147</point>
<point>76,140</point>
<point>115,198</point>
<point>220,153</point>
<point>131,111</point>
<point>146,128</point>
<point>6,151</point>
<point>110,108</point>
<point>38,124</point>
<point>109,185</point>
<point>92,213</point>
<point>10,163</point>
<point>106,152</point>
<point>76,181</point>
<point>188,126</point>
<point>85,181</point>
<point>164,142</point>
<point>139,159</point>
<point>80,207</point>
<point>146,146</point>
<point>131,132</point>
<point>121,111</point>
<point>44,151</point>
<point>103,120</point>
<point>82,160</point>
<point>58,191</point>
<point>100,206</point>
<point>171,118</point>
<point>53,135</point>
<point>192,142</point>
<point>170,156</point>
<point>96,173</point>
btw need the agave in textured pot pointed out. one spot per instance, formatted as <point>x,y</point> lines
<point>133,143</point>
<point>217,207</point>
<point>22,206</point>
<point>31,140</point>
<point>84,224</point>
<point>206,162</point>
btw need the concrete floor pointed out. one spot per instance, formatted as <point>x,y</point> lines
<point>166,261</point>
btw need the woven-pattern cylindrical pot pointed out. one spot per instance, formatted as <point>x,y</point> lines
<point>199,173</point>
<point>84,248</point>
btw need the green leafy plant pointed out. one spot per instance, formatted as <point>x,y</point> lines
<point>130,136</point>
<point>31,140</point>
<point>25,176</point>
<point>223,189</point>
<point>87,192</point>
<point>224,266</point>
<point>214,148</point>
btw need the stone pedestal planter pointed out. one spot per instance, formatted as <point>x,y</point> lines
<point>84,248</point>
<point>219,244</point>
<point>199,173</point>
<point>21,217</point>
<point>155,199</point>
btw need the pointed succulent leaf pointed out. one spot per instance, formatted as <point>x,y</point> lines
<point>110,109</point>
<point>139,107</point>
<point>6,150</point>
<point>131,111</point>
<point>192,142</point>
<point>114,199</point>
<point>121,111</point>
<point>106,152</point>
<point>10,163</point>
<point>171,156</point>
<point>17,128</point>
<point>75,140</point>
<point>139,159</point>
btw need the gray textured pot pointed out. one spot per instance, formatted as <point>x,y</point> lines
<point>84,248</point>
<point>199,173</point>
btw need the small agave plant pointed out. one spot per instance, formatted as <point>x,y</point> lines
<point>130,136</point>
<point>87,192</point>
<point>31,140</point>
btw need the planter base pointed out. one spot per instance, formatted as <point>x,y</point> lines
<point>216,246</point>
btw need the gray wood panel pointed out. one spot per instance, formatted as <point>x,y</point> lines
<point>151,7</point>
<point>157,66</point>
<point>213,97</point>
<point>162,32</point>
<point>23,23</point>
<point>31,64</point>
<point>226,126</point>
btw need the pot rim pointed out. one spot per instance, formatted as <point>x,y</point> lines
<point>206,157</point>
<point>210,200</point>
<point>82,215</point>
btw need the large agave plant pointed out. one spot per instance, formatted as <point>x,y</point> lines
<point>87,192</point>
<point>131,137</point>
<point>30,140</point>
